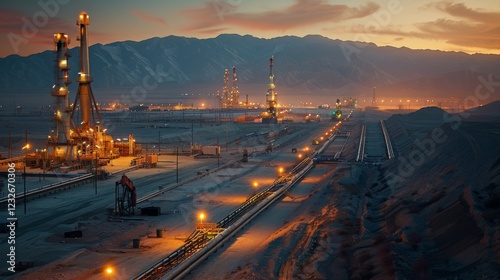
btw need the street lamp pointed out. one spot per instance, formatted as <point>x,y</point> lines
<point>201,216</point>
<point>26,147</point>
<point>96,162</point>
<point>255,185</point>
<point>177,164</point>
<point>109,271</point>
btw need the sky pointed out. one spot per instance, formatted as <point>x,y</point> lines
<point>28,26</point>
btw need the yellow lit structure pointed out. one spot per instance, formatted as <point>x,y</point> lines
<point>271,114</point>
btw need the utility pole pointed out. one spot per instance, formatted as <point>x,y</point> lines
<point>192,137</point>
<point>177,164</point>
<point>10,146</point>
<point>159,142</point>
<point>95,177</point>
<point>25,161</point>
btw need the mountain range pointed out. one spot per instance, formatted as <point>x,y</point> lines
<point>313,64</point>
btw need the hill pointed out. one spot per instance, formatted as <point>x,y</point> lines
<point>313,64</point>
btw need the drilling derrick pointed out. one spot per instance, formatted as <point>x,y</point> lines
<point>235,93</point>
<point>60,139</point>
<point>84,96</point>
<point>271,115</point>
<point>88,134</point>
<point>225,91</point>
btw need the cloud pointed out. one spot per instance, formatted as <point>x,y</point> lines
<point>468,27</point>
<point>143,15</point>
<point>16,22</point>
<point>19,34</point>
<point>462,11</point>
<point>389,30</point>
<point>460,26</point>
<point>216,15</point>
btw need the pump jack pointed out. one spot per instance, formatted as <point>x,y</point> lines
<point>126,197</point>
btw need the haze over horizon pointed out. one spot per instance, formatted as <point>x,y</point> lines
<point>444,25</point>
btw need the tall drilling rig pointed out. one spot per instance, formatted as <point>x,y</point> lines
<point>271,115</point>
<point>60,138</point>
<point>84,94</point>
<point>235,93</point>
<point>89,136</point>
<point>225,91</point>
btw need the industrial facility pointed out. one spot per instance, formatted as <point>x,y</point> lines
<point>79,137</point>
<point>230,97</point>
<point>271,115</point>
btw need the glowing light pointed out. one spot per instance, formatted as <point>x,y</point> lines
<point>109,270</point>
<point>201,216</point>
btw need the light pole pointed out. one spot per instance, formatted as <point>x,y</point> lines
<point>218,152</point>
<point>95,176</point>
<point>192,137</point>
<point>177,164</point>
<point>26,147</point>
<point>119,146</point>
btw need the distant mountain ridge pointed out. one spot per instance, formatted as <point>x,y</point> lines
<point>312,63</point>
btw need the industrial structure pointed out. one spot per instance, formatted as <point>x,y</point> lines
<point>225,90</point>
<point>125,197</point>
<point>271,115</point>
<point>78,135</point>
<point>235,93</point>
<point>89,135</point>
<point>337,114</point>
<point>84,95</point>
<point>230,97</point>
<point>59,142</point>
<point>350,102</point>
<point>374,100</point>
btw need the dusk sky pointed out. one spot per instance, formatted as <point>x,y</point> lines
<point>26,27</point>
